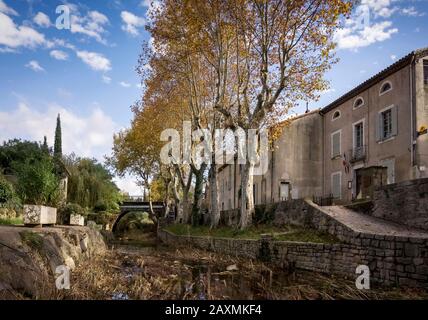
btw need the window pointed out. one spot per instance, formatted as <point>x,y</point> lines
<point>336,115</point>
<point>387,123</point>
<point>335,144</point>
<point>284,190</point>
<point>358,102</point>
<point>387,86</point>
<point>358,135</point>
<point>426,72</point>
<point>336,185</point>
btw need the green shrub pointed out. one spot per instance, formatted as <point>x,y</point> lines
<point>102,218</point>
<point>8,197</point>
<point>37,182</point>
<point>100,206</point>
<point>7,193</point>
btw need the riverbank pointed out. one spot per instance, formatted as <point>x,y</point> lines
<point>182,273</point>
<point>29,257</point>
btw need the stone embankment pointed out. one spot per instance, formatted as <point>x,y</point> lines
<point>29,257</point>
<point>395,255</point>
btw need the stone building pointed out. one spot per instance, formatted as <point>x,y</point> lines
<point>294,170</point>
<point>373,135</point>
<point>378,124</point>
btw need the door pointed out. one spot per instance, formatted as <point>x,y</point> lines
<point>284,190</point>
<point>390,166</point>
<point>358,184</point>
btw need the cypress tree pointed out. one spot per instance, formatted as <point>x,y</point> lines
<point>45,146</point>
<point>58,139</point>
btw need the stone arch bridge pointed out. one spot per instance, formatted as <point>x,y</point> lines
<point>136,204</point>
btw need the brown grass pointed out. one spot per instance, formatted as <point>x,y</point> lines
<point>194,274</point>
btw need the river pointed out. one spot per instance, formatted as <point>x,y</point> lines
<point>144,269</point>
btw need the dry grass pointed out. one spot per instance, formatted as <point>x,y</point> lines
<point>198,274</point>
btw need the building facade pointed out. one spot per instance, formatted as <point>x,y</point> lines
<point>375,134</point>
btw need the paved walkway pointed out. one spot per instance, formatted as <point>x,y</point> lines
<point>360,222</point>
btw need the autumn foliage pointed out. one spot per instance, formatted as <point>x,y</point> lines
<point>223,64</point>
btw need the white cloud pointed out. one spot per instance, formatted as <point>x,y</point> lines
<point>132,22</point>
<point>89,136</point>
<point>91,25</point>
<point>59,55</point>
<point>125,84</point>
<point>95,60</point>
<point>328,91</point>
<point>42,20</point>
<point>128,184</point>
<point>393,57</point>
<point>13,36</point>
<point>35,66</point>
<point>354,38</point>
<point>106,79</point>
<point>380,8</point>
<point>6,9</point>
<point>411,12</point>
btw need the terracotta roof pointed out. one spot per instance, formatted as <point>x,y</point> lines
<point>403,62</point>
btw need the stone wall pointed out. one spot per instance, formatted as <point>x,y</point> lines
<point>405,202</point>
<point>391,261</point>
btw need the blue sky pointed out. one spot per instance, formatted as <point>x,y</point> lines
<point>87,73</point>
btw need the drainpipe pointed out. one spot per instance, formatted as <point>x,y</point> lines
<point>412,134</point>
<point>323,162</point>
<point>234,184</point>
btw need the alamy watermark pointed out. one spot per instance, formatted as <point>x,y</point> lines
<point>199,146</point>
<point>63,21</point>
<point>363,280</point>
<point>62,280</point>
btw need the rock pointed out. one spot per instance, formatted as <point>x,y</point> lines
<point>29,257</point>
<point>232,267</point>
<point>84,244</point>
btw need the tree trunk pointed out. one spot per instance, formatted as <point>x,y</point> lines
<point>197,195</point>
<point>215,212</point>
<point>166,199</point>
<point>152,214</point>
<point>247,204</point>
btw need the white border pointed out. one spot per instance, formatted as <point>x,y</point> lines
<point>333,118</point>
<point>381,86</point>
<point>361,105</point>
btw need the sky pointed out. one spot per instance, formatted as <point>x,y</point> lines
<point>87,72</point>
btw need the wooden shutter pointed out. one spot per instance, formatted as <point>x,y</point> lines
<point>379,125</point>
<point>335,142</point>
<point>394,121</point>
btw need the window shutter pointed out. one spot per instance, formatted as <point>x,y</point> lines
<point>335,144</point>
<point>379,124</point>
<point>336,185</point>
<point>394,119</point>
